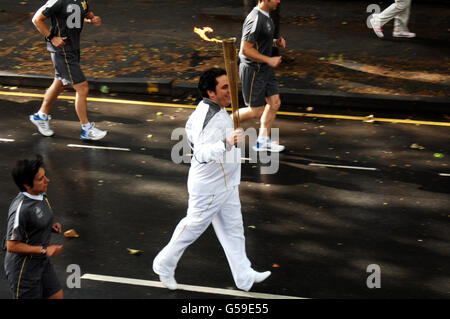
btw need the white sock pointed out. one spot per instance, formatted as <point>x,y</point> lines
<point>263,139</point>
<point>86,126</point>
<point>42,115</point>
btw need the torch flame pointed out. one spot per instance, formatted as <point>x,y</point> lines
<point>202,34</point>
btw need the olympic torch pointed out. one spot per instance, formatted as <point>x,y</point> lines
<point>230,57</point>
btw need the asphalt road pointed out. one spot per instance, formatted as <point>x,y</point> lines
<point>316,227</point>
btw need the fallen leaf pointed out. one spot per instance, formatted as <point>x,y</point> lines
<point>252,227</point>
<point>134,251</point>
<point>417,146</point>
<point>438,155</point>
<point>369,119</point>
<point>275,266</point>
<point>104,89</point>
<point>159,113</point>
<point>71,233</point>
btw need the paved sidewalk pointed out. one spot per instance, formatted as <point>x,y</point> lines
<point>331,55</point>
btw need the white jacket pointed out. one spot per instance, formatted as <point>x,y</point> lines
<point>214,168</point>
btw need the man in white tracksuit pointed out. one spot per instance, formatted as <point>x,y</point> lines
<point>213,186</point>
<point>399,10</point>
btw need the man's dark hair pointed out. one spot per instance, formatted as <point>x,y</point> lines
<point>25,171</point>
<point>208,81</point>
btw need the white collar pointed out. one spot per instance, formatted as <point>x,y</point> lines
<point>263,12</point>
<point>38,197</point>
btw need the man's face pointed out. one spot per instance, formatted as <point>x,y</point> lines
<point>272,4</point>
<point>222,94</point>
<point>40,183</point>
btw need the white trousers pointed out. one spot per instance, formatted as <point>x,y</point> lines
<point>399,10</point>
<point>223,210</point>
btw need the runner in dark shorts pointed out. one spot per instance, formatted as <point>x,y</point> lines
<point>256,71</point>
<point>28,267</point>
<point>63,43</point>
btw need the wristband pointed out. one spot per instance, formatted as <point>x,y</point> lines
<point>50,37</point>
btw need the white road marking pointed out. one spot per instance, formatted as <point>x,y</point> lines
<point>444,174</point>
<point>99,147</point>
<point>343,166</point>
<point>6,140</point>
<point>209,290</point>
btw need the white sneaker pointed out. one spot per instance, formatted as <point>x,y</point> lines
<point>268,146</point>
<point>168,282</point>
<point>42,125</point>
<point>403,34</point>
<point>261,276</point>
<point>93,133</point>
<point>376,26</point>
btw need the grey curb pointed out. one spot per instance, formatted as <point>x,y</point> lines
<point>290,97</point>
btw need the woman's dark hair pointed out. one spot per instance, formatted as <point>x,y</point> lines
<point>208,81</point>
<point>25,171</point>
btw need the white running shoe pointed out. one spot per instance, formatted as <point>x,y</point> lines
<point>268,146</point>
<point>42,125</point>
<point>93,133</point>
<point>403,34</point>
<point>169,282</point>
<point>376,26</point>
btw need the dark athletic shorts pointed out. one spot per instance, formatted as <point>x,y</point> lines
<point>257,84</point>
<point>67,66</point>
<point>32,278</point>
